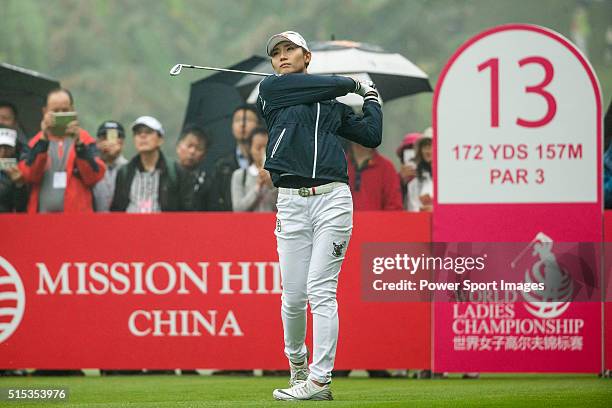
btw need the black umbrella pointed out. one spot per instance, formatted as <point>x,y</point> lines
<point>211,103</point>
<point>26,90</point>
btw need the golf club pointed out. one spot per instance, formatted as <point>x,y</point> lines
<point>176,70</point>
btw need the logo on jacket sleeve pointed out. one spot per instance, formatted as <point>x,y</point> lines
<point>338,248</point>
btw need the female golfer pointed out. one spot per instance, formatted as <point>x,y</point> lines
<point>306,161</point>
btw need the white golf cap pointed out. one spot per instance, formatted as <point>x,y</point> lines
<point>8,137</point>
<point>290,36</point>
<point>151,122</point>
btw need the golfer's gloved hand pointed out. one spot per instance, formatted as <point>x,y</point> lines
<point>366,89</point>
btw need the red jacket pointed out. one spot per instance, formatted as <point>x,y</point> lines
<point>380,187</point>
<point>83,172</point>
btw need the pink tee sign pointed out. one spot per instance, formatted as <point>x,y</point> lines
<point>518,158</point>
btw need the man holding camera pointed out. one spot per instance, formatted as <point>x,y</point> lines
<point>62,163</point>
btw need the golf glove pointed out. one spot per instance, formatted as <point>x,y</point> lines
<point>366,89</point>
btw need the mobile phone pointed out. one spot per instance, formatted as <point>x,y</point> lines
<point>408,157</point>
<point>5,163</point>
<point>112,135</point>
<point>61,121</point>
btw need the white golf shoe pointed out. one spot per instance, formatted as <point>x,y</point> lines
<point>303,391</point>
<point>299,372</point>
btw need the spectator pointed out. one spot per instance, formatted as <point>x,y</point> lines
<point>61,163</point>
<point>110,144</point>
<point>148,183</point>
<point>244,120</point>
<point>420,189</point>
<point>405,152</point>
<point>13,194</point>
<point>8,114</point>
<point>374,183</point>
<point>252,188</point>
<point>191,148</point>
<point>9,118</point>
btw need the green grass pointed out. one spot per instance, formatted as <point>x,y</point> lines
<point>205,391</point>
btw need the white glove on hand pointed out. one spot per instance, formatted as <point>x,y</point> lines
<point>366,89</point>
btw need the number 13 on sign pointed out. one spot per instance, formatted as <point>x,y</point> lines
<point>539,89</point>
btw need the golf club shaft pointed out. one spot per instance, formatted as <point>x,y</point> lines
<point>222,70</point>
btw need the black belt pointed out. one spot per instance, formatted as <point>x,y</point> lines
<point>290,181</point>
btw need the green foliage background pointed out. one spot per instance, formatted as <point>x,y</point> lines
<point>115,54</point>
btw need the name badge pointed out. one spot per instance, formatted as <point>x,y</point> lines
<point>60,179</point>
<point>145,206</point>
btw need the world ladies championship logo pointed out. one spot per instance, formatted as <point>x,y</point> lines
<point>558,284</point>
<point>12,299</point>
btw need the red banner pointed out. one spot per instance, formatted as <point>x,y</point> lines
<point>183,291</point>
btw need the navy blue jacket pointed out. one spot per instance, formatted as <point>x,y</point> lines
<point>304,121</point>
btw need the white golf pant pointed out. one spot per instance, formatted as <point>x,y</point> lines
<point>312,235</point>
